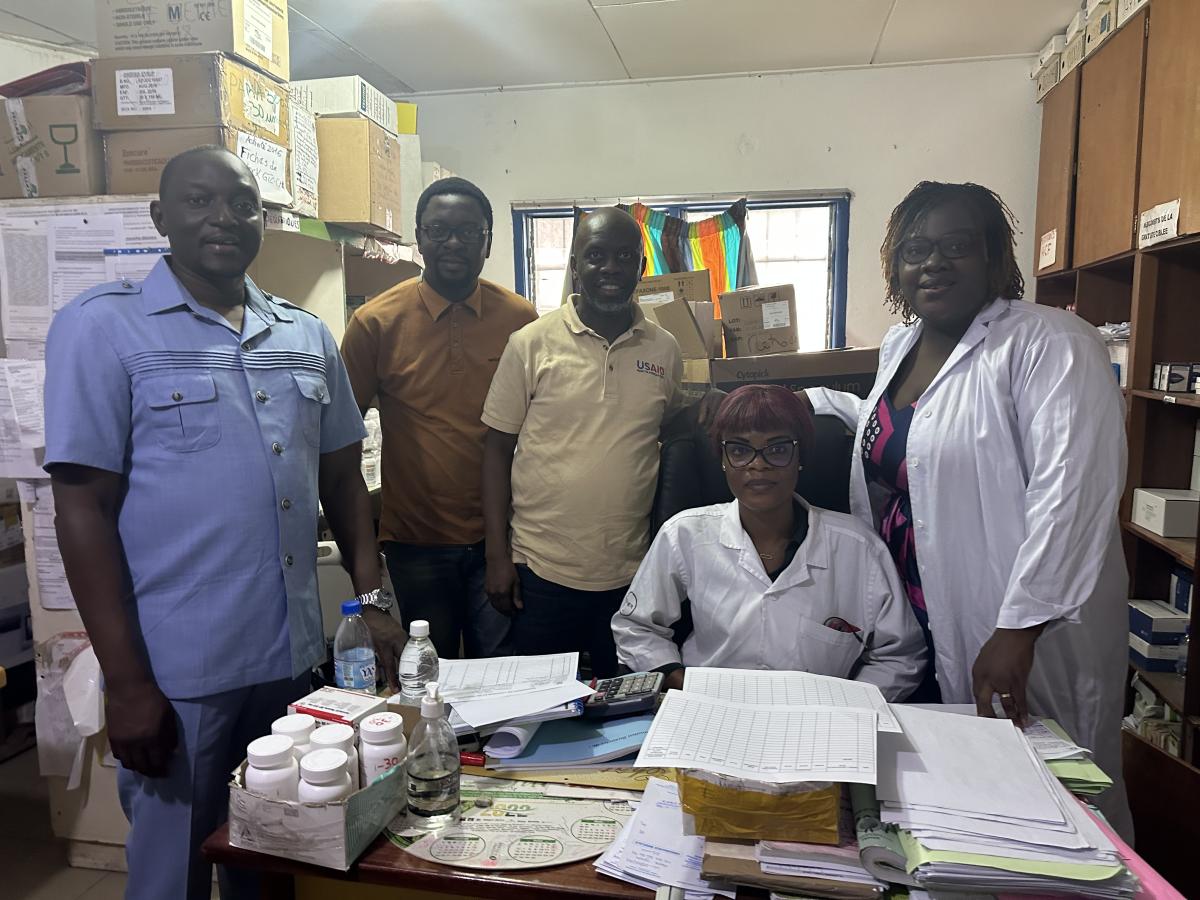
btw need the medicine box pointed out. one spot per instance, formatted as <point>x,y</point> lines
<point>347,95</point>
<point>333,834</point>
<point>330,704</point>
<point>1181,589</point>
<point>1126,9</point>
<point>1166,511</point>
<point>1154,657</point>
<point>1156,622</point>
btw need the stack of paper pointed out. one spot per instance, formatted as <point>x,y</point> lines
<point>572,743</point>
<point>1071,764</point>
<point>976,808</point>
<point>652,850</point>
<point>486,692</point>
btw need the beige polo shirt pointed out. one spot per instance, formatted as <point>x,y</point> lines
<point>587,416</point>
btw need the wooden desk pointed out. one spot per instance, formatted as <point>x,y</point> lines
<point>407,876</point>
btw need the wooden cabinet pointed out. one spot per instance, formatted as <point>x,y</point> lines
<point>1056,173</point>
<point>1110,113</point>
<point>1170,168</point>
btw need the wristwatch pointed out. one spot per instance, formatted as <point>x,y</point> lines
<point>380,598</point>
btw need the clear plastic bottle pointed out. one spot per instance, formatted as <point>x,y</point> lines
<point>353,651</point>
<point>339,737</point>
<point>324,777</point>
<point>418,662</point>
<point>434,769</point>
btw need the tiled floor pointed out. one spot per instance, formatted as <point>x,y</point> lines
<point>33,863</point>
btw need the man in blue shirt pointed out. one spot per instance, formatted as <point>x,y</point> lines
<point>192,423</point>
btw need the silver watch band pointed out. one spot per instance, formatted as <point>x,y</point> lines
<point>380,598</point>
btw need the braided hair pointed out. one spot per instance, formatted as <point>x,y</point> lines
<point>999,235</point>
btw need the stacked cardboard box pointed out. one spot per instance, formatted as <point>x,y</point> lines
<point>172,76</point>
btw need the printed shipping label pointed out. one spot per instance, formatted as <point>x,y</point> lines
<point>1048,249</point>
<point>776,314</point>
<point>261,106</point>
<point>258,28</point>
<point>145,92</point>
<point>655,299</point>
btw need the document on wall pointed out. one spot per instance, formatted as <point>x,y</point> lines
<point>22,427</point>
<point>776,744</point>
<point>25,309</point>
<point>474,679</point>
<point>788,689</point>
<point>75,245</point>
<point>51,578</point>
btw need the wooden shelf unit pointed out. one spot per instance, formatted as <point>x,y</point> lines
<point>1137,141</point>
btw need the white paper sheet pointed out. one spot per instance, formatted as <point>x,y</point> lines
<point>788,689</point>
<point>1049,745</point>
<point>131,263</point>
<point>22,429</point>
<point>776,744</point>
<point>474,679</point>
<point>488,710</point>
<point>75,245</point>
<point>508,741</point>
<point>24,280</point>
<point>51,578</point>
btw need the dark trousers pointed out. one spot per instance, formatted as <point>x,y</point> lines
<point>444,586</point>
<point>558,619</point>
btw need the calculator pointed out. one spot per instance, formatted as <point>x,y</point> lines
<point>625,695</point>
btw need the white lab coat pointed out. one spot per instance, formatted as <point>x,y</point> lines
<point>744,621</point>
<point>1016,462</point>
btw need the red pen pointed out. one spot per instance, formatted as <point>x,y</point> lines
<point>472,759</point>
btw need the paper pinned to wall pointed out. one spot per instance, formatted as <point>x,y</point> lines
<point>49,577</point>
<point>24,280</point>
<point>75,248</point>
<point>22,429</point>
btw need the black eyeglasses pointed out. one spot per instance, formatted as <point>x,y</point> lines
<point>777,454</point>
<point>952,246</point>
<point>467,234</point>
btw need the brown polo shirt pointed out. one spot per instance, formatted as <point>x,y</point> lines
<point>430,362</point>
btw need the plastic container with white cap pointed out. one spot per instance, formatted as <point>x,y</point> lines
<point>299,727</point>
<point>418,663</point>
<point>434,767</point>
<point>324,777</point>
<point>340,737</point>
<point>381,745</point>
<point>272,770</point>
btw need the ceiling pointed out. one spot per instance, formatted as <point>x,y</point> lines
<point>422,46</point>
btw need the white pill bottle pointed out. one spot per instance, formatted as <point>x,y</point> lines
<point>299,727</point>
<point>341,737</point>
<point>272,771</point>
<point>324,777</point>
<point>381,746</point>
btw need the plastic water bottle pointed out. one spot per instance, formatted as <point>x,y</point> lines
<point>353,651</point>
<point>434,768</point>
<point>418,663</point>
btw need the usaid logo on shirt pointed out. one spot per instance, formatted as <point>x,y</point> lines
<point>651,368</point>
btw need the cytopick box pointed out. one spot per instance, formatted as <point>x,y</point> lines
<point>852,369</point>
<point>1154,657</point>
<point>256,31</point>
<point>1156,622</point>
<point>1167,512</point>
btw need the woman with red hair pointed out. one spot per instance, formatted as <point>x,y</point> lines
<point>768,581</point>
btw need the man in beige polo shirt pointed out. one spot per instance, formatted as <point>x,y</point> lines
<point>573,416</point>
<point>427,349</point>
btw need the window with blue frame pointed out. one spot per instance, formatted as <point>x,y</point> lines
<point>798,240</point>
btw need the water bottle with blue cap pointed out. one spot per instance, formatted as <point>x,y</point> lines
<point>353,651</point>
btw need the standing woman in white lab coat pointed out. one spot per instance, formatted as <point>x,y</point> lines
<point>990,454</point>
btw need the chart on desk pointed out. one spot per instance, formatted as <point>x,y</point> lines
<point>471,679</point>
<point>788,689</point>
<point>766,743</point>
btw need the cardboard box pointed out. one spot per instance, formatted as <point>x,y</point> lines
<point>255,31</point>
<point>433,171</point>
<point>676,316</point>
<point>1049,75</point>
<point>692,286</point>
<point>360,175</point>
<point>50,148</point>
<point>844,370</point>
<point>305,160</point>
<point>1181,589</point>
<point>347,96</point>
<point>759,321</point>
<point>134,160</point>
<point>1127,8</point>
<point>333,835</point>
<point>1102,21</point>
<point>1154,657</point>
<point>1156,622</point>
<point>330,704</point>
<point>1072,56</point>
<point>697,372</point>
<point>411,184</point>
<point>406,117</point>
<point>1166,511</point>
<point>199,89</point>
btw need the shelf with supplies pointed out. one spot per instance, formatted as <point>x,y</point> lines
<point>1176,399</point>
<point>1182,549</point>
<point>1167,685</point>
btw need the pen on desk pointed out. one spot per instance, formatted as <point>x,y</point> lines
<point>472,759</point>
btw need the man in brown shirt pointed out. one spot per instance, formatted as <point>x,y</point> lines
<point>427,349</point>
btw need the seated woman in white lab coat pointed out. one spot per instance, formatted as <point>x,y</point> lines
<point>768,581</point>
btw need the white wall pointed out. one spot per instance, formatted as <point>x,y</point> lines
<point>20,57</point>
<point>874,131</point>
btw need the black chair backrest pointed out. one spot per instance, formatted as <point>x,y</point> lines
<point>689,472</point>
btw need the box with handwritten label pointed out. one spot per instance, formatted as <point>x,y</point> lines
<point>256,31</point>
<point>759,321</point>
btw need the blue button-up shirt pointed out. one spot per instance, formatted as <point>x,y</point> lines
<point>216,436</point>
